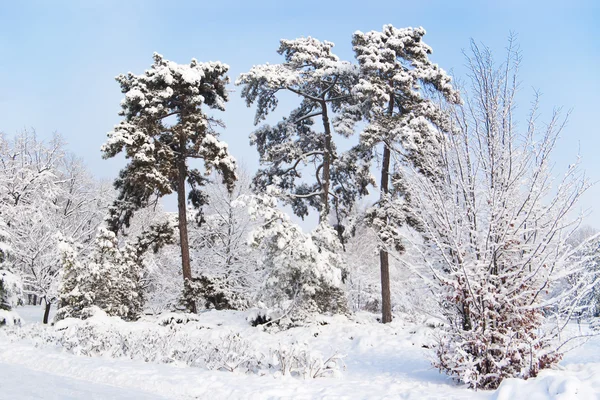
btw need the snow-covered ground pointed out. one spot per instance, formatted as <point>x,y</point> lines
<point>21,382</point>
<point>381,361</point>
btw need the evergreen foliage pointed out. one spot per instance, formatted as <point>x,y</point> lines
<point>305,271</point>
<point>110,277</point>
<point>396,94</point>
<point>295,147</point>
<point>159,151</point>
<point>154,147</point>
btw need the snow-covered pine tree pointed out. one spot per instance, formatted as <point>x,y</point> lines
<point>110,277</point>
<point>4,305</point>
<point>397,80</point>
<point>496,225</point>
<point>11,290</point>
<point>159,151</point>
<point>304,271</point>
<point>11,294</point>
<point>73,291</point>
<point>114,277</point>
<point>323,82</point>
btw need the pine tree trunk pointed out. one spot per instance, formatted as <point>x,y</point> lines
<point>384,260</point>
<point>47,311</point>
<point>326,177</point>
<point>183,234</point>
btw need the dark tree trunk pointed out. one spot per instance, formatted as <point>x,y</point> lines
<point>183,234</point>
<point>384,261</point>
<point>384,258</point>
<point>47,311</point>
<point>326,178</point>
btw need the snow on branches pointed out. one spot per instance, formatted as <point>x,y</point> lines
<point>496,226</point>
<point>226,267</point>
<point>11,290</point>
<point>305,272</point>
<point>44,190</point>
<point>155,147</point>
<point>395,94</point>
<point>110,277</point>
<point>294,145</point>
<point>159,151</point>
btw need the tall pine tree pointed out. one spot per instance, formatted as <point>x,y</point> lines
<point>397,82</point>
<point>164,127</point>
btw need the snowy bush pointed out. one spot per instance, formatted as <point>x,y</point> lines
<point>173,318</point>
<point>231,353</point>
<point>9,318</point>
<point>298,360</point>
<point>177,338</point>
<point>212,293</point>
<point>11,290</point>
<point>261,316</point>
<point>482,357</point>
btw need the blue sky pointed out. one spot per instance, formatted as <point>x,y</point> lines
<point>58,59</point>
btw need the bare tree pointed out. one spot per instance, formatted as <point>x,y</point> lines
<point>228,267</point>
<point>496,225</point>
<point>45,191</point>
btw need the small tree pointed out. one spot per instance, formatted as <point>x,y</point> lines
<point>304,270</point>
<point>11,290</point>
<point>110,277</point>
<point>158,151</point>
<point>396,82</point>
<point>11,293</point>
<point>74,292</point>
